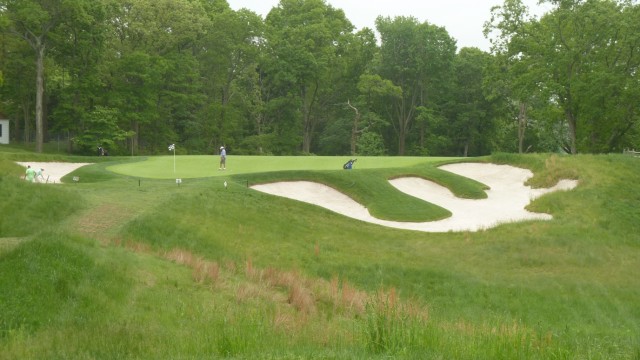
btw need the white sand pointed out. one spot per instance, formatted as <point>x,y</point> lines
<point>53,171</point>
<point>506,200</point>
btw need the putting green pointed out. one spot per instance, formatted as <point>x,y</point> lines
<point>198,166</point>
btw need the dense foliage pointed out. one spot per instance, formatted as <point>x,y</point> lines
<point>134,76</point>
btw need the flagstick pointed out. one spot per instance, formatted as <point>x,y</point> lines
<point>172,147</point>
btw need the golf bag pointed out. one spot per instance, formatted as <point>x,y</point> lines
<point>349,164</point>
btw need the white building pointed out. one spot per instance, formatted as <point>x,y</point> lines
<point>4,131</point>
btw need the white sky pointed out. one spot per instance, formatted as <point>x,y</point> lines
<point>463,19</point>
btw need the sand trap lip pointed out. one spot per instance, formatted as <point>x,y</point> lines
<point>54,171</point>
<point>506,200</point>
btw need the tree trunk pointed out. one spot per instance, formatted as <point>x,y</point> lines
<point>221,124</point>
<point>405,116</point>
<point>259,122</point>
<point>40,49</point>
<point>402,128</point>
<point>522,126</point>
<point>26,110</point>
<point>308,96</point>
<point>354,128</point>
<point>572,131</point>
<point>69,142</point>
<point>402,136</point>
<point>306,137</point>
<point>307,128</point>
<point>135,139</point>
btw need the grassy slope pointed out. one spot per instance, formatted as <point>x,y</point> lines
<point>564,288</point>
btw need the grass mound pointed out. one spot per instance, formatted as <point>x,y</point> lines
<point>41,284</point>
<point>27,208</point>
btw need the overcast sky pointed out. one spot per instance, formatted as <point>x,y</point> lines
<point>463,19</point>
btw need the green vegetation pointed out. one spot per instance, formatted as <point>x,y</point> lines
<point>136,76</point>
<point>130,267</point>
<point>26,209</point>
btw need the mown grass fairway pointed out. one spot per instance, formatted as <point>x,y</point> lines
<point>125,266</point>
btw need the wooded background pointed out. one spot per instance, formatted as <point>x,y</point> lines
<point>134,76</point>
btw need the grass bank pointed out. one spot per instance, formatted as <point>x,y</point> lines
<point>145,268</point>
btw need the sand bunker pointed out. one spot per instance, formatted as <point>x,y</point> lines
<point>53,171</point>
<point>506,200</point>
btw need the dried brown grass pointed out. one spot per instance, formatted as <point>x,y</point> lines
<point>387,303</point>
<point>353,300</point>
<point>251,272</point>
<point>248,291</point>
<point>302,299</point>
<point>138,247</point>
<point>205,270</point>
<point>179,256</point>
<point>277,278</point>
<point>230,266</point>
<point>287,287</point>
<point>334,289</point>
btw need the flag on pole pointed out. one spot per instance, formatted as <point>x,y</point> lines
<point>172,147</point>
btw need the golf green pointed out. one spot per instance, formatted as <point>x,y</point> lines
<point>198,166</point>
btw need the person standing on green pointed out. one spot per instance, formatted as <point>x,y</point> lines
<point>30,174</point>
<point>223,158</point>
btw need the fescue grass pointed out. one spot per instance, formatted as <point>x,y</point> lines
<point>145,268</point>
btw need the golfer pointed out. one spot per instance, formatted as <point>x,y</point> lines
<point>39,177</point>
<point>30,174</point>
<point>223,158</point>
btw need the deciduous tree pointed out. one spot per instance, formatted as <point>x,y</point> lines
<point>34,21</point>
<point>304,38</point>
<point>417,57</point>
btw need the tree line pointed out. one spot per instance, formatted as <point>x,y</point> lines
<point>133,76</point>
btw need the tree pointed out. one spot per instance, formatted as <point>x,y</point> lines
<point>17,92</point>
<point>233,42</point>
<point>303,42</point>
<point>418,58</point>
<point>349,117</point>
<point>375,94</point>
<point>472,117</point>
<point>435,132</point>
<point>153,75</point>
<point>514,76</point>
<point>74,84</point>
<point>34,21</point>
<point>581,57</point>
<point>592,50</point>
<point>101,130</point>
